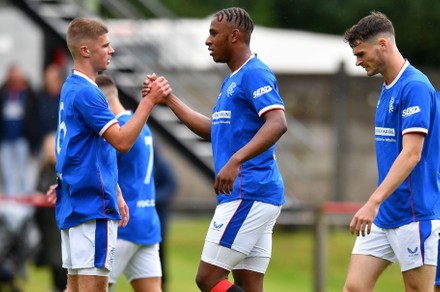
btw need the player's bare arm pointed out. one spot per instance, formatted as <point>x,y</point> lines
<point>271,131</point>
<point>195,121</point>
<point>412,145</point>
<point>123,208</point>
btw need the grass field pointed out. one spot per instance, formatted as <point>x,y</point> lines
<point>290,270</point>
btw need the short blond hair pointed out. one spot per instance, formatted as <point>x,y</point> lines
<point>83,29</point>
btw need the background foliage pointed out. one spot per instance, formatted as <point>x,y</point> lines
<point>415,21</point>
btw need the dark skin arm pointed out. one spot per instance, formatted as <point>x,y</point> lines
<point>274,127</point>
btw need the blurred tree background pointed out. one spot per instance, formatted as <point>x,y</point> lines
<point>415,21</point>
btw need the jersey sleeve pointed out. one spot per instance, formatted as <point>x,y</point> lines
<point>416,108</point>
<point>93,107</point>
<point>263,90</point>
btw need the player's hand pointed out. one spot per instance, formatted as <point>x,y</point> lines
<point>40,200</point>
<point>156,89</point>
<point>224,182</point>
<point>146,86</point>
<point>123,209</point>
<point>51,195</point>
<point>363,219</point>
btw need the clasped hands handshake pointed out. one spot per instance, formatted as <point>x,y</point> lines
<point>156,89</point>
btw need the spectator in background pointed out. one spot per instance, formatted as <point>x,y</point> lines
<point>17,135</point>
<point>166,185</point>
<point>50,246</point>
<point>47,102</point>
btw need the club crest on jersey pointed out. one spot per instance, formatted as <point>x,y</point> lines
<point>262,90</point>
<point>231,88</point>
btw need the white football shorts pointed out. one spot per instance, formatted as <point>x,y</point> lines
<point>89,248</point>
<point>240,235</point>
<point>413,245</point>
<point>136,261</point>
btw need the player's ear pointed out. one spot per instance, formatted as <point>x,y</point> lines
<point>382,42</point>
<point>84,51</point>
<point>235,35</point>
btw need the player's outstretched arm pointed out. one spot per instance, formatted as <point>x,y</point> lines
<point>123,138</point>
<point>195,121</point>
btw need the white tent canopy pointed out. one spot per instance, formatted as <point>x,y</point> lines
<point>182,45</point>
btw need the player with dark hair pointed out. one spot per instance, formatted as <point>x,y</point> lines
<point>88,200</point>
<point>246,122</point>
<point>137,247</point>
<point>400,220</point>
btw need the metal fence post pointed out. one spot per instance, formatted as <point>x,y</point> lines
<point>320,249</point>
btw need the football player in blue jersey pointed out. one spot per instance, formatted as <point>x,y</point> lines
<point>88,200</point>
<point>246,122</point>
<point>400,220</point>
<point>137,247</point>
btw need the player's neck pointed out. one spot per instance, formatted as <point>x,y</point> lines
<point>239,59</point>
<point>395,67</point>
<point>86,70</point>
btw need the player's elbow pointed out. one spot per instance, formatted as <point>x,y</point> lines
<point>281,127</point>
<point>123,147</point>
<point>415,158</point>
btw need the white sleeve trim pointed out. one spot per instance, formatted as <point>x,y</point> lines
<point>269,108</point>
<point>108,125</point>
<point>417,130</point>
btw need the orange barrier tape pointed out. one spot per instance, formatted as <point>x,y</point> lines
<point>341,207</point>
<point>36,200</point>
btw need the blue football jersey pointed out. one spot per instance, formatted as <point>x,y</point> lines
<point>86,163</point>
<point>245,96</point>
<point>136,180</point>
<point>409,105</point>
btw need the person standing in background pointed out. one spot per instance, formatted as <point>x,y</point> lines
<point>47,102</point>
<point>17,132</point>
<point>166,184</point>
<point>137,247</point>
<point>49,253</point>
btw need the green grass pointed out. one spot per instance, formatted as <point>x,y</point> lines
<point>291,267</point>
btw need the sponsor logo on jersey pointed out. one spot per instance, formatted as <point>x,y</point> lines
<point>262,90</point>
<point>145,203</point>
<point>221,115</point>
<point>391,105</point>
<point>379,131</point>
<point>410,111</point>
<point>231,88</point>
